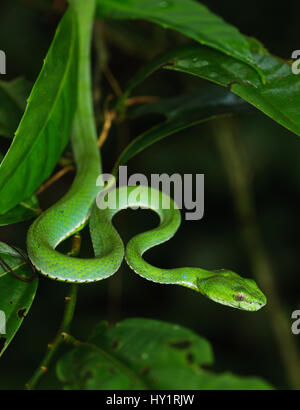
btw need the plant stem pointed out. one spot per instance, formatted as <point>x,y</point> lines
<point>109,117</point>
<point>54,178</point>
<point>112,81</point>
<point>262,268</point>
<point>70,303</point>
<point>53,347</point>
<point>141,99</point>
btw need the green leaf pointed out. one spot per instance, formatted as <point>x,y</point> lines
<point>25,210</point>
<point>146,354</point>
<point>13,96</point>
<point>16,296</point>
<point>279,98</point>
<point>180,113</point>
<point>45,127</point>
<point>189,17</point>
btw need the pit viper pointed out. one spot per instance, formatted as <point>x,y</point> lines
<point>79,207</point>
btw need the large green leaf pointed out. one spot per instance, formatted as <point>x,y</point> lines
<point>279,98</point>
<point>16,296</point>
<point>13,96</point>
<point>45,127</point>
<point>189,17</point>
<point>146,354</point>
<point>180,113</point>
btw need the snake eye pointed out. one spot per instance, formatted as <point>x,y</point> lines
<point>239,297</point>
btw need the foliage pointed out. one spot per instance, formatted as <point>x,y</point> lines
<point>16,296</point>
<point>145,354</point>
<point>135,353</point>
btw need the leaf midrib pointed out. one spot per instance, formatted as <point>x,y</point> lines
<point>49,115</point>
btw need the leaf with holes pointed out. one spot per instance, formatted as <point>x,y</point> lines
<point>16,296</point>
<point>146,354</point>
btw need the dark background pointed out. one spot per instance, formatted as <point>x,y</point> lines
<point>243,342</point>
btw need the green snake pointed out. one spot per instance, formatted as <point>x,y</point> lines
<point>78,206</point>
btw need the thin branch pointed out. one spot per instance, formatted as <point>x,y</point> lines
<point>109,117</point>
<point>112,81</point>
<point>143,99</point>
<point>54,178</point>
<point>70,304</point>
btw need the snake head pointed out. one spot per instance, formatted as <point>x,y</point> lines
<point>229,288</point>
